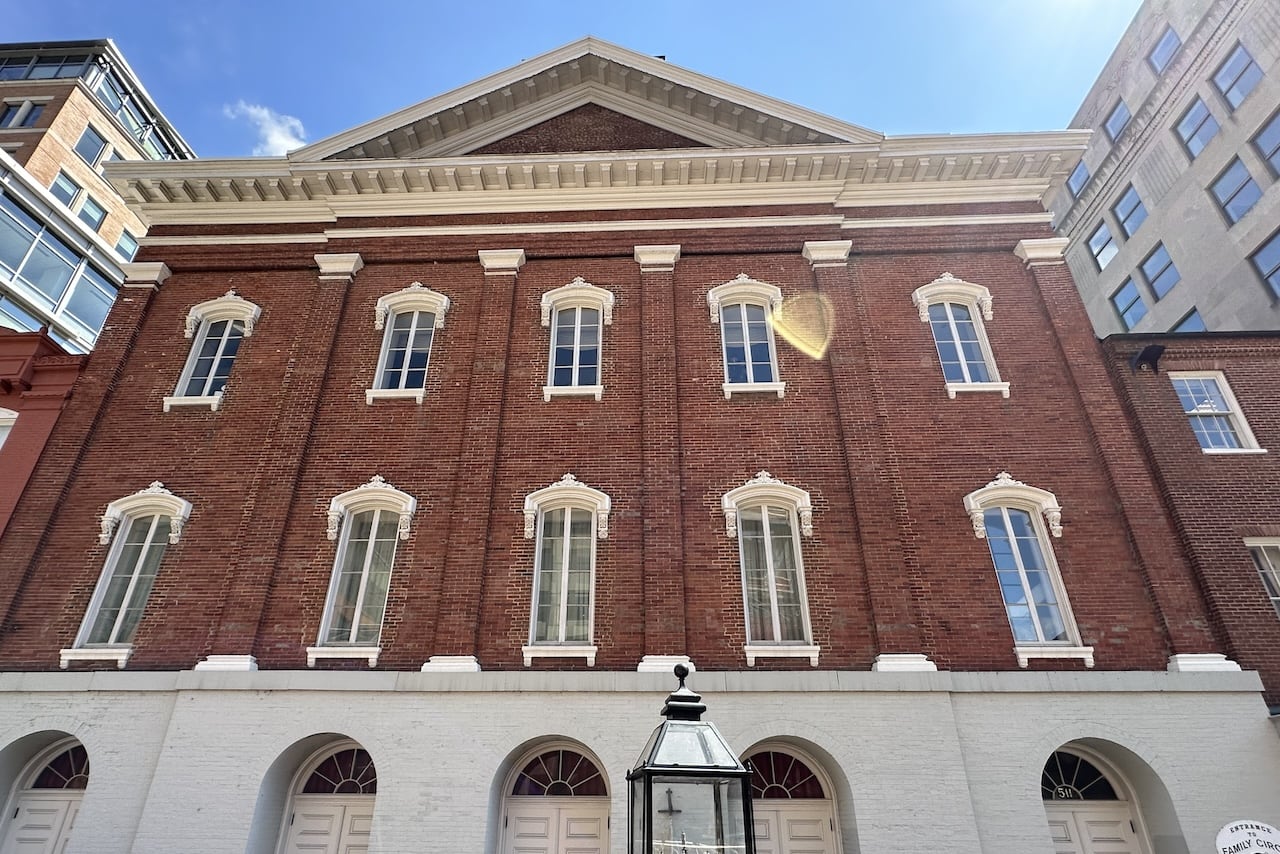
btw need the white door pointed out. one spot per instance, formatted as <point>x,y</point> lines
<point>556,826</point>
<point>328,824</point>
<point>793,827</point>
<point>42,823</point>
<point>1100,827</point>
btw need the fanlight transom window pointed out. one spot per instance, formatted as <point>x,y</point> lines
<point>559,773</point>
<point>68,770</point>
<point>780,775</point>
<point>1068,777</point>
<point>344,772</point>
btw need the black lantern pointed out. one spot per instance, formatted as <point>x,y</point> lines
<point>689,793</point>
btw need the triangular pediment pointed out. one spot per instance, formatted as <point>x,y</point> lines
<point>655,103</point>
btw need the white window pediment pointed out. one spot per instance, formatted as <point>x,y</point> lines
<point>743,289</point>
<point>579,292</point>
<point>229,306</point>
<point>765,488</point>
<point>1004,491</point>
<point>416,297</point>
<point>155,500</point>
<point>947,288</point>
<point>567,492</point>
<point>377,494</point>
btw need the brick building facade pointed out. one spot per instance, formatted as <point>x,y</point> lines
<point>434,445</point>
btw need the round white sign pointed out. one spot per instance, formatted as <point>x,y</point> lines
<point>1248,837</point>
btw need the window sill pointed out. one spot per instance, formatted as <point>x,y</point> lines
<point>316,653</point>
<point>755,651</point>
<point>209,401</point>
<point>550,650</point>
<point>550,391</point>
<point>1026,653</point>
<point>372,394</point>
<point>955,388</point>
<point>1229,451</point>
<point>118,654</point>
<point>780,389</point>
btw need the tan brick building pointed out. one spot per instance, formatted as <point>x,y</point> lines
<point>408,465</point>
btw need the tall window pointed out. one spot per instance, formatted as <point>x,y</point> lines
<point>1266,260</point>
<point>1128,304</point>
<point>567,519</point>
<point>1129,212</point>
<point>1237,77</point>
<point>1164,51</point>
<point>1016,521</point>
<point>576,314</point>
<point>367,523</point>
<point>138,528</point>
<point>742,308</point>
<point>1215,416</point>
<point>1102,245</point>
<point>1266,557</point>
<point>1196,128</point>
<point>767,517</point>
<point>1078,178</point>
<point>217,328</point>
<point>1117,121</point>
<point>1159,271</point>
<point>954,310</point>
<point>409,319</point>
<point>1236,191</point>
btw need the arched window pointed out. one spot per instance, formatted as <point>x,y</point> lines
<point>139,528</point>
<point>43,811</point>
<point>567,518</point>
<point>781,775</point>
<point>410,318</point>
<point>955,310</point>
<point>577,314</point>
<point>742,308</point>
<point>793,807</point>
<point>1070,777</point>
<point>367,522</point>
<point>767,517</point>
<point>1012,517</point>
<point>558,773</point>
<point>217,327</point>
<point>331,803</point>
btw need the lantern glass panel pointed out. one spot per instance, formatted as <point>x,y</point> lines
<point>692,744</point>
<point>698,815</point>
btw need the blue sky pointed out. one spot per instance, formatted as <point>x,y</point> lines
<point>243,76</point>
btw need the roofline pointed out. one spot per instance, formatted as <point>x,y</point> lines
<point>1139,337</point>
<point>587,45</point>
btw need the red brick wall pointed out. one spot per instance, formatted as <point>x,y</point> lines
<point>588,128</point>
<point>1216,500</point>
<point>893,565</point>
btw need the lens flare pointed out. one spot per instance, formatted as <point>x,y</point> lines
<point>806,322</point>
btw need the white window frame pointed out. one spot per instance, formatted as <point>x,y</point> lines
<point>415,298</point>
<point>1272,568</point>
<point>566,493</point>
<point>577,294</point>
<point>114,526</point>
<point>765,490</point>
<point>377,494</point>
<point>948,289</point>
<point>8,418</point>
<point>744,290</point>
<point>1248,442</point>
<point>230,307</point>
<point>1046,516</point>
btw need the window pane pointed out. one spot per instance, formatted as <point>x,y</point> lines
<point>1164,50</point>
<point>1117,121</point>
<point>1236,191</point>
<point>90,146</point>
<point>91,299</point>
<point>1130,212</point>
<point>1128,304</point>
<point>49,267</point>
<point>1159,271</point>
<point>1266,260</point>
<point>92,214</point>
<point>1191,323</point>
<point>1102,246</point>
<point>64,189</point>
<point>1079,177</point>
<point>1025,582</point>
<point>131,578</point>
<point>1197,127</point>
<point>755,571</point>
<point>550,573</point>
<point>1237,77</point>
<point>1268,143</point>
<point>127,246</point>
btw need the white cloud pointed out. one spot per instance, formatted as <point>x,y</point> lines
<point>277,133</point>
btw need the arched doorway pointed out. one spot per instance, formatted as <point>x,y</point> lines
<point>1089,811</point>
<point>331,810</point>
<point>44,807</point>
<point>557,802</point>
<point>791,804</point>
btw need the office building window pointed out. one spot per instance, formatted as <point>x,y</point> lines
<point>64,189</point>
<point>1191,323</point>
<point>1128,304</point>
<point>1102,245</point>
<point>91,147</point>
<point>1237,77</point>
<point>1267,142</point>
<point>127,246</point>
<point>1159,271</point>
<point>1215,416</point>
<point>576,314</point>
<point>1267,262</point>
<point>1129,212</point>
<point>1162,54</point>
<point>1117,121</point>
<point>1236,191</point>
<point>1078,178</point>
<point>1196,127</point>
<point>92,214</point>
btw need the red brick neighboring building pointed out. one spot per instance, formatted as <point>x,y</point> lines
<point>36,376</point>
<point>429,445</point>
<point>1209,423</point>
